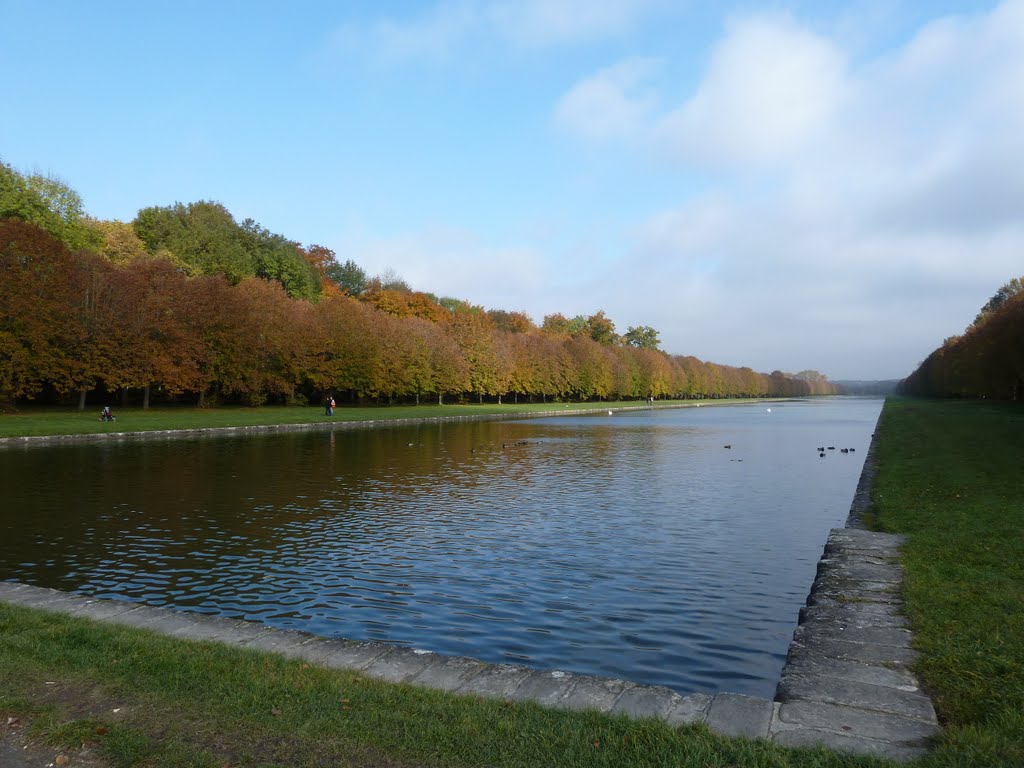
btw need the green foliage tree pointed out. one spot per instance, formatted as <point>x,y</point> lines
<point>350,277</point>
<point>203,236</point>
<point>48,203</point>
<point>556,324</point>
<point>641,337</point>
<point>276,258</point>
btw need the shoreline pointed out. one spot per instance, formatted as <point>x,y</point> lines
<point>327,425</point>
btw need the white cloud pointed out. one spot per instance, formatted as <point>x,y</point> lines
<point>611,104</point>
<point>772,91</point>
<point>857,213</point>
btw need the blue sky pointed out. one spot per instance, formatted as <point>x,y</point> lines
<point>786,185</point>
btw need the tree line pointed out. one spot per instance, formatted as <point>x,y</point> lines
<point>987,360</point>
<point>185,303</point>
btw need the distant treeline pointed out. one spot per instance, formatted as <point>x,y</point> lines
<point>871,388</point>
<point>183,302</point>
<point>986,361</point>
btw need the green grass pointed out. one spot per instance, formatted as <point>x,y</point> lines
<point>184,703</point>
<point>37,420</point>
<point>950,477</point>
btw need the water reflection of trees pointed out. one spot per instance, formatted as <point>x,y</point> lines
<point>196,509</point>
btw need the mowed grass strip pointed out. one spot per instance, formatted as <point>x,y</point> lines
<point>202,705</point>
<point>950,477</point>
<point>43,420</point>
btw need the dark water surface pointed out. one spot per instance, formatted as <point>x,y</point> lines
<point>632,545</point>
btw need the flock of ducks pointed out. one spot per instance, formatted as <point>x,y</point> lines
<point>822,449</point>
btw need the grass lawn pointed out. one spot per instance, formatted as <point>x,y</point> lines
<point>41,420</point>
<point>949,476</point>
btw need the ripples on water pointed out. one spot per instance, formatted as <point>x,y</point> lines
<point>631,546</point>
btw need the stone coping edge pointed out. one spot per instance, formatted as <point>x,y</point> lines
<point>847,681</point>
<point>729,714</point>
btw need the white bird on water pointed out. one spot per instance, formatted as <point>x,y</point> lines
<point>769,410</point>
<point>609,413</point>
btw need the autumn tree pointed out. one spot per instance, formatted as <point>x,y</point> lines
<point>36,297</point>
<point>601,329</point>
<point>404,303</point>
<point>94,323</point>
<point>1000,297</point>
<point>473,333</point>
<point>348,346</point>
<point>155,342</point>
<point>511,322</point>
<point>118,242</point>
<point>556,324</point>
<point>592,369</point>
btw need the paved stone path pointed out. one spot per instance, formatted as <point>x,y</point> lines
<point>847,682</point>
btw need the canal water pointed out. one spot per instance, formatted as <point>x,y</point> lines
<point>671,547</point>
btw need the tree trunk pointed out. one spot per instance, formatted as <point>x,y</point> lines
<point>417,398</point>
<point>145,397</point>
<point>499,399</point>
<point>202,399</point>
<point>440,399</point>
<point>81,399</point>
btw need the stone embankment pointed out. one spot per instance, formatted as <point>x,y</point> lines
<point>846,684</point>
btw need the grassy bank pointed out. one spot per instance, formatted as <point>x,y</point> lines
<point>948,476</point>
<point>147,700</point>
<point>66,421</point>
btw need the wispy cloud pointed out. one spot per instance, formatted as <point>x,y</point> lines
<point>559,22</point>
<point>444,30</point>
<point>432,36</point>
<point>615,103</point>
